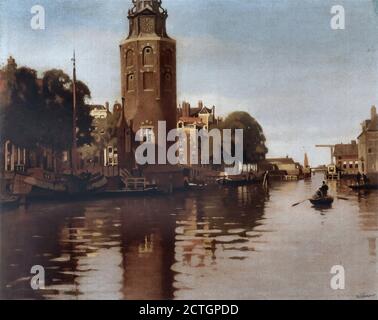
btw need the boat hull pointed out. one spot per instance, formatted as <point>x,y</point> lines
<point>129,193</point>
<point>9,203</point>
<point>321,202</point>
<point>235,183</point>
<point>364,187</point>
<point>69,187</point>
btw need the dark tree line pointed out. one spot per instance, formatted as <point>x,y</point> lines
<point>254,141</point>
<point>37,113</point>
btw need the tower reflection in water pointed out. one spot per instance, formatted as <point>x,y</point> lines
<point>215,243</point>
<point>209,233</point>
<point>143,248</point>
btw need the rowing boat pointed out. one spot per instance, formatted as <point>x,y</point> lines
<point>322,201</point>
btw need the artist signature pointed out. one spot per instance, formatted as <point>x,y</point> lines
<point>366,295</point>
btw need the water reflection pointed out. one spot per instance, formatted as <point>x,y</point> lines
<point>218,243</point>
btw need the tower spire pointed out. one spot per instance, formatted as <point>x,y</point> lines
<point>147,17</point>
<point>140,5</point>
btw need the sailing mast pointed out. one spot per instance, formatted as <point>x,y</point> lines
<point>74,129</point>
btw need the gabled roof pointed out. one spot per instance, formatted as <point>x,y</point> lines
<point>191,120</point>
<point>96,107</point>
<point>197,111</point>
<point>148,10</point>
<point>281,160</point>
<point>346,150</point>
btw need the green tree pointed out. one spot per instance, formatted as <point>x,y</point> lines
<point>20,102</point>
<point>57,119</point>
<point>254,148</point>
<point>35,114</point>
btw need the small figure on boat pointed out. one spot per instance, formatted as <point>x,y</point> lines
<point>321,197</point>
<point>365,179</point>
<point>323,190</point>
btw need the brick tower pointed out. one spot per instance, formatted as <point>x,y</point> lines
<point>148,69</point>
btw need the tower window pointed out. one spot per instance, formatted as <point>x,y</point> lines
<point>167,57</point>
<point>130,82</point>
<point>148,81</point>
<point>148,56</point>
<point>129,58</point>
<point>168,81</point>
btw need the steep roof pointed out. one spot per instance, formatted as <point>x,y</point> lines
<point>346,150</point>
<point>281,160</point>
<point>191,120</point>
<point>96,107</point>
<point>197,111</point>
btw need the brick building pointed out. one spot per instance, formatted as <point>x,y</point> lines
<point>346,156</point>
<point>148,68</point>
<point>368,147</point>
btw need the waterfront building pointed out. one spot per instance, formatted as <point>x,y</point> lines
<point>103,152</point>
<point>287,165</point>
<point>346,156</point>
<point>201,113</point>
<point>368,147</point>
<point>15,158</point>
<point>191,121</point>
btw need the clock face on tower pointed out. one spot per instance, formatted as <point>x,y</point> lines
<point>147,24</point>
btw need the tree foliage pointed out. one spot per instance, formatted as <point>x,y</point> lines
<point>57,118</point>
<point>254,148</point>
<point>20,103</point>
<point>38,113</point>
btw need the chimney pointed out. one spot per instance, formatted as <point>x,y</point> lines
<point>185,109</point>
<point>373,112</point>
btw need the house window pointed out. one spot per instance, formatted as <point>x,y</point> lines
<point>370,150</point>
<point>147,134</point>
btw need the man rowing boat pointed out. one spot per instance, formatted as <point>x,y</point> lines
<point>323,191</point>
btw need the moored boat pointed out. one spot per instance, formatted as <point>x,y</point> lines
<point>235,181</point>
<point>49,185</point>
<point>357,187</point>
<point>8,202</point>
<point>125,193</point>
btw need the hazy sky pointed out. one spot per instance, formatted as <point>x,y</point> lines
<point>278,59</point>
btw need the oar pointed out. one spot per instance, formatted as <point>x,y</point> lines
<point>298,203</point>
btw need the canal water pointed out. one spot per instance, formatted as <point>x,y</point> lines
<point>220,243</point>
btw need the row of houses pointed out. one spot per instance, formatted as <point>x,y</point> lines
<point>361,155</point>
<point>103,152</point>
<point>287,168</point>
